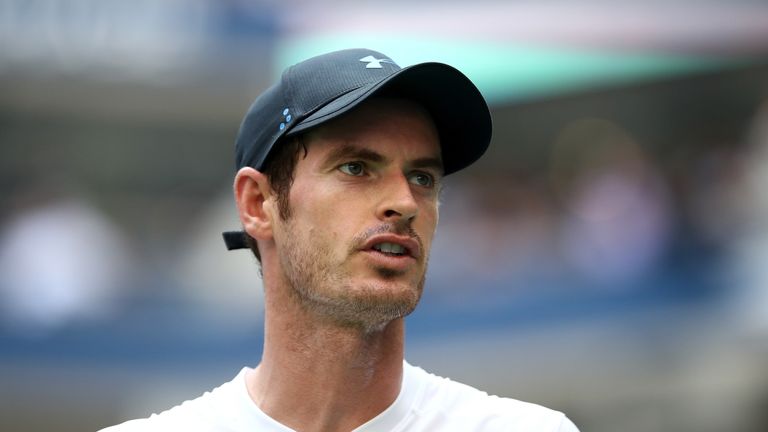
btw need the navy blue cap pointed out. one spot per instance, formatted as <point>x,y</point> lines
<point>325,87</point>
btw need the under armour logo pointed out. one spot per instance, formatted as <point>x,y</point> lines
<point>374,63</point>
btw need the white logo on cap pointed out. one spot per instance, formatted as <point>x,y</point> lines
<point>374,63</point>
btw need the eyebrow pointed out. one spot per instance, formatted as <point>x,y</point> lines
<point>429,163</point>
<point>349,151</point>
<point>352,152</point>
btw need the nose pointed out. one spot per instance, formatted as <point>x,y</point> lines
<point>397,201</point>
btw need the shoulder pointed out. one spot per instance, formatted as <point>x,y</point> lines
<point>200,414</point>
<point>445,401</point>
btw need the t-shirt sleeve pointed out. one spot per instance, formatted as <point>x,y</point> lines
<point>138,425</point>
<point>566,425</point>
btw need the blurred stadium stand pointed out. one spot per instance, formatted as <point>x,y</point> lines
<point>606,257</point>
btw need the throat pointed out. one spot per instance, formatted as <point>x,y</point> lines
<point>361,377</point>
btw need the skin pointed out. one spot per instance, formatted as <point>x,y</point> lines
<point>334,306</point>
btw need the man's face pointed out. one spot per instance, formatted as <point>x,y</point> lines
<point>363,211</point>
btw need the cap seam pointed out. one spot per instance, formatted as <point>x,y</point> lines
<point>328,102</point>
<point>288,88</point>
<point>375,86</point>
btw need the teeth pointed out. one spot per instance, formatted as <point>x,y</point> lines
<point>389,248</point>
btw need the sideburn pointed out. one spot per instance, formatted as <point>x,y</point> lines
<point>284,206</point>
<point>281,171</point>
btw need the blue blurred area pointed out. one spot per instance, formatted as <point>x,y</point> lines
<point>158,332</point>
<point>605,258</point>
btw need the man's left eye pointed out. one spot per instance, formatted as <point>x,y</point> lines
<point>422,179</point>
<point>352,168</point>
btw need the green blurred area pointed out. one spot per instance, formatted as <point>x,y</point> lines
<point>513,72</point>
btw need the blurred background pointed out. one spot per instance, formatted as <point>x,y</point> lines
<point>608,257</point>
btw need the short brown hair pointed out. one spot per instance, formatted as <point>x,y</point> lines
<point>280,168</point>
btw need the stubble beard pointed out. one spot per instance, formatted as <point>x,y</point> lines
<point>325,288</point>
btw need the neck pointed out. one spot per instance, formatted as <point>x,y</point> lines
<point>318,375</point>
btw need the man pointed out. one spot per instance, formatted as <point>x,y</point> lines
<point>340,166</point>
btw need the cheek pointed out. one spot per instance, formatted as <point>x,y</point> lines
<point>319,213</point>
<point>427,226</point>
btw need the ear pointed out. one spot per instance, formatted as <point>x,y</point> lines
<point>253,196</point>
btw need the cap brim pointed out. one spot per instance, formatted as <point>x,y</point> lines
<point>458,109</point>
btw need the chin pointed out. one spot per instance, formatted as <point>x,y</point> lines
<point>371,305</point>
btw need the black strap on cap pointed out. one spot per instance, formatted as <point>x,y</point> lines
<point>235,239</point>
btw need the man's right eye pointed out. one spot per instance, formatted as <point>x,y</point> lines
<point>352,168</point>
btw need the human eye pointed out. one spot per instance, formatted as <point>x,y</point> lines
<point>352,168</point>
<point>422,179</point>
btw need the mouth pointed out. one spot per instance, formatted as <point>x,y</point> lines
<point>393,249</point>
<point>394,246</point>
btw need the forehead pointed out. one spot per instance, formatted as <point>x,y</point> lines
<point>388,125</point>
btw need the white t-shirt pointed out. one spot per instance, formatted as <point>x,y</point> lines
<point>426,403</point>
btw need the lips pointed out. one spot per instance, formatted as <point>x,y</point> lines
<point>390,248</point>
<point>393,245</point>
